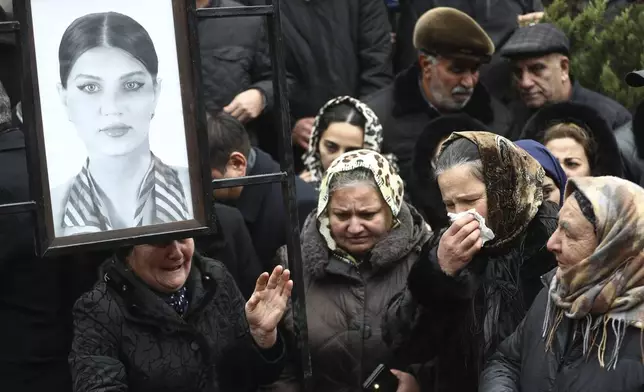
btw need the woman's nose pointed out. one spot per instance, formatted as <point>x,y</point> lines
<point>109,104</point>
<point>355,226</point>
<point>553,242</point>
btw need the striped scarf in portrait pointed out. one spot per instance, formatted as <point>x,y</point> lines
<point>85,207</point>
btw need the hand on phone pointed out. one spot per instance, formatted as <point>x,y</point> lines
<point>381,380</point>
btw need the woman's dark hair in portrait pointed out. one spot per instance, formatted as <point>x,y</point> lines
<point>343,113</point>
<point>106,29</point>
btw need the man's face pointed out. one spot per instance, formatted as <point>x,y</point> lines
<point>542,80</point>
<point>449,83</point>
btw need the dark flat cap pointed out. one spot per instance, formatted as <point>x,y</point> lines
<point>635,78</point>
<point>450,32</point>
<point>535,41</point>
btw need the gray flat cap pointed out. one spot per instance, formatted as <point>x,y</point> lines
<point>635,78</point>
<point>535,41</point>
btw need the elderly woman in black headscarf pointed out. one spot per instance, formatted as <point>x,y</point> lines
<point>471,287</point>
<point>584,331</point>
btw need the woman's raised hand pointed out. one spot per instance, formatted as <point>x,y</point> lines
<point>267,305</point>
<point>459,244</point>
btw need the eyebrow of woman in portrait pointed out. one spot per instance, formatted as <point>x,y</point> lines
<point>109,87</point>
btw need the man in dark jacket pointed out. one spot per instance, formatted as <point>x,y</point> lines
<point>333,48</point>
<point>498,19</point>
<point>262,206</point>
<point>539,54</point>
<point>445,80</point>
<point>236,69</point>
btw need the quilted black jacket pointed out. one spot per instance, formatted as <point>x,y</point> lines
<point>126,338</point>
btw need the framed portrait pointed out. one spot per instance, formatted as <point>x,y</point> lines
<point>119,150</point>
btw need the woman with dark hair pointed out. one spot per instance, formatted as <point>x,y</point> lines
<point>109,87</point>
<point>573,133</point>
<point>555,181</point>
<point>343,124</point>
<point>474,281</point>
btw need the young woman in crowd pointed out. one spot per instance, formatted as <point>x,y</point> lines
<point>578,137</point>
<point>343,124</point>
<point>584,332</point>
<point>464,295</point>
<point>358,246</point>
<point>555,181</point>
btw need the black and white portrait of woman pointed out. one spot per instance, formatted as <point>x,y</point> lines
<point>112,114</point>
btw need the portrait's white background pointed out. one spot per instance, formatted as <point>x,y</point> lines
<point>65,151</point>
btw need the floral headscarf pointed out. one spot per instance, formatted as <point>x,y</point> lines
<point>513,181</point>
<point>372,136</point>
<point>389,183</point>
<point>608,286</point>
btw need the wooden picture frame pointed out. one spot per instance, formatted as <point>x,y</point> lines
<point>115,60</point>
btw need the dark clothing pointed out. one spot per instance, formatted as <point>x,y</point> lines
<point>235,57</point>
<point>614,113</point>
<point>497,18</point>
<point>334,48</point>
<point>457,322</point>
<point>523,364</point>
<point>344,303</point>
<point>632,134</point>
<point>404,113</point>
<point>126,338</point>
<point>262,207</point>
<point>233,246</point>
<point>35,331</point>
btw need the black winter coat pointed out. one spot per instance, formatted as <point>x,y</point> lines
<point>523,364</point>
<point>262,207</point>
<point>126,338</point>
<point>404,113</point>
<point>334,48</point>
<point>233,246</point>
<point>444,322</point>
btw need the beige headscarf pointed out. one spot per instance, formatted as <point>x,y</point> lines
<point>389,183</point>
<point>608,286</point>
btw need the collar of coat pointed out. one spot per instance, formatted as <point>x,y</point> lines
<point>411,234</point>
<point>145,305</point>
<point>408,98</point>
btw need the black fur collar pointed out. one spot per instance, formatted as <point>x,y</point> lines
<point>408,98</point>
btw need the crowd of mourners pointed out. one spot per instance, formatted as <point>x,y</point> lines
<point>471,217</point>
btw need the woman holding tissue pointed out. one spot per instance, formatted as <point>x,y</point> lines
<point>476,279</point>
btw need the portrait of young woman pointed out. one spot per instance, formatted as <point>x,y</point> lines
<point>112,115</point>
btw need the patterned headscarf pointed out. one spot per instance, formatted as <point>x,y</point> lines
<point>513,181</point>
<point>608,286</point>
<point>86,208</point>
<point>389,183</point>
<point>372,136</point>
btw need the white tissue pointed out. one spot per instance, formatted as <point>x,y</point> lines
<point>486,232</point>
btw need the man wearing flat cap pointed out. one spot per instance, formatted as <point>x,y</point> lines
<point>540,57</point>
<point>451,48</point>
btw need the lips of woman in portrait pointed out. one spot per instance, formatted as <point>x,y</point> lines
<point>164,267</point>
<point>110,98</point>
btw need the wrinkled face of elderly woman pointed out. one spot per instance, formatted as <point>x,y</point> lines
<point>575,238</point>
<point>358,216</point>
<point>110,97</point>
<point>163,267</point>
<point>463,188</point>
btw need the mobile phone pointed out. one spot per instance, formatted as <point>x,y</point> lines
<point>381,380</point>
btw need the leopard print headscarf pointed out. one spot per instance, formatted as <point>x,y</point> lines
<point>372,137</point>
<point>389,183</point>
